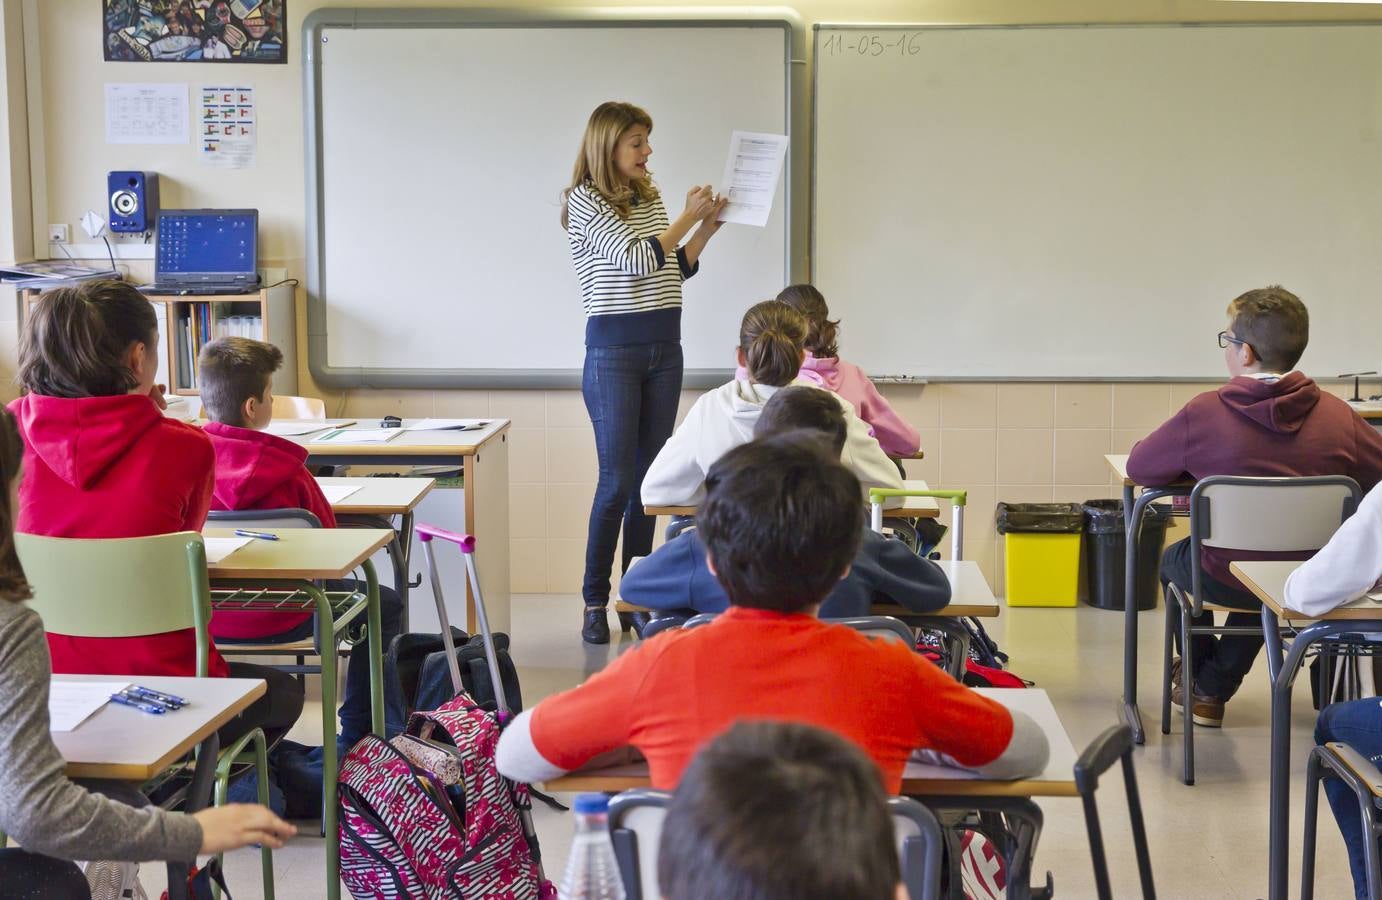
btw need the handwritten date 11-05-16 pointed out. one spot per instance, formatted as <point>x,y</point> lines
<point>863,43</point>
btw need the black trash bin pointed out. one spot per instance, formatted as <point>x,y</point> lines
<point>1106,553</point>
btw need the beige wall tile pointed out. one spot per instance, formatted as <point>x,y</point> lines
<point>379,403</point>
<point>968,456</point>
<point>1023,493</point>
<point>1141,405</point>
<point>1079,456</point>
<point>1080,405</point>
<point>527,510</point>
<point>528,566</point>
<point>566,409</point>
<point>1079,493</point>
<point>967,405</point>
<point>528,456</point>
<point>918,404</point>
<point>527,409</point>
<point>1122,439</point>
<point>566,565</point>
<point>979,513</point>
<point>571,455</point>
<point>927,468</point>
<point>1183,392</point>
<point>1022,405</point>
<point>462,404</point>
<point>568,509</point>
<point>1024,455</point>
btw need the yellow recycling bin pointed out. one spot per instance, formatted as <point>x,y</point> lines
<point>1041,546</point>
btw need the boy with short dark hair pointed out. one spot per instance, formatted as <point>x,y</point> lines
<point>814,797</point>
<point>1268,420</point>
<point>781,523</point>
<point>256,470</point>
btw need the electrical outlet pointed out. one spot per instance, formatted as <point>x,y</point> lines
<point>57,234</point>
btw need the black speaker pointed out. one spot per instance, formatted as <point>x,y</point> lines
<point>133,201</point>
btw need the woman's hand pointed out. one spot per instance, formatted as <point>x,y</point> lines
<point>711,221</point>
<point>700,201</point>
<point>237,825</point>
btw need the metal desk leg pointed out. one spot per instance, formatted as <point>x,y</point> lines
<point>376,651</point>
<point>1132,518</point>
<point>198,797</point>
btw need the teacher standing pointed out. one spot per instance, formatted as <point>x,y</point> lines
<point>631,263</point>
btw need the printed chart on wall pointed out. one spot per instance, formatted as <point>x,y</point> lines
<point>146,113</point>
<point>195,30</point>
<point>225,122</point>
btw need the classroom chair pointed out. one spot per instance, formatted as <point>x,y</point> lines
<point>884,627</point>
<point>1336,760</point>
<point>131,587</point>
<point>635,827</point>
<point>1114,745</point>
<point>287,407</point>
<point>1251,514</point>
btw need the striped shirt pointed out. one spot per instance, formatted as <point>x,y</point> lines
<point>630,294</point>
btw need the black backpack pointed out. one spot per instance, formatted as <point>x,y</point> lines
<point>420,660</point>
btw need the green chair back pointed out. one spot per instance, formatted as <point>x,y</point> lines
<point>120,587</point>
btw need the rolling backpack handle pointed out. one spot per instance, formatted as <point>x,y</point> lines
<point>957,516</point>
<point>466,542</point>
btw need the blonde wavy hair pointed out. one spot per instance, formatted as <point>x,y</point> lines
<point>595,161</point>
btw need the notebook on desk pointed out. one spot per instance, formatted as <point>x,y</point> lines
<point>206,251</point>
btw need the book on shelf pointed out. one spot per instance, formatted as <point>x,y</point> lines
<point>203,323</point>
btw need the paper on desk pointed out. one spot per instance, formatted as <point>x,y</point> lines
<point>751,175</point>
<point>292,428</point>
<point>70,703</point>
<point>218,548</point>
<point>361,436</point>
<point>335,493</point>
<point>447,425</point>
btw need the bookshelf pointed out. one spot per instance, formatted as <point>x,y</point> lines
<point>186,323</point>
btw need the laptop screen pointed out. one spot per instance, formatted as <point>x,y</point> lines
<point>207,245</point>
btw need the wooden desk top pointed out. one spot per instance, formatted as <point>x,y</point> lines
<point>125,744</point>
<point>1267,581</point>
<point>918,779</point>
<point>911,508</point>
<point>970,594</point>
<point>406,443</point>
<point>1119,463</point>
<point>299,553</point>
<point>380,496</point>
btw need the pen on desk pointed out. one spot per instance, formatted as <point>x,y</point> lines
<point>260,535</point>
<point>140,705</point>
<point>152,694</point>
<point>329,435</point>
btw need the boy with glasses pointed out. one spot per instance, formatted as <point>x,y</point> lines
<point>1267,421</point>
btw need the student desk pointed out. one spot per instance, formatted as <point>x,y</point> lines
<point>1134,506</point>
<point>911,508</point>
<point>373,505</point>
<point>123,744</point>
<point>483,458</point>
<point>940,787</point>
<point>1267,581</point>
<point>970,595</point>
<point>287,567</point>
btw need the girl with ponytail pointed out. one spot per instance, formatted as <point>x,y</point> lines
<point>770,354</point>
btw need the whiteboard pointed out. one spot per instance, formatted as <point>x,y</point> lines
<point>1083,202</point>
<point>443,140</point>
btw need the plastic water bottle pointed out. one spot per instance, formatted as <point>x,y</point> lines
<point>591,871</point>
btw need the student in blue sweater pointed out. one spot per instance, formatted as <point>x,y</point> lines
<point>674,578</point>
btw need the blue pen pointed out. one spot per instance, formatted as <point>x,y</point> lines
<point>151,694</point>
<point>261,535</point>
<point>140,705</point>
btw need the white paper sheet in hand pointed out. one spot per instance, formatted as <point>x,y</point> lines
<point>218,548</point>
<point>70,703</point>
<point>751,175</point>
<point>335,493</point>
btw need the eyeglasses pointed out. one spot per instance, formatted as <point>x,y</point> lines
<point>1225,339</point>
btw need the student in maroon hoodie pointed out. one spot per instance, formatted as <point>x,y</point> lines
<point>102,461</point>
<point>1268,420</point>
<point>258,470</point>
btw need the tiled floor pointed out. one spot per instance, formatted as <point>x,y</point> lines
<point>1207,841</point>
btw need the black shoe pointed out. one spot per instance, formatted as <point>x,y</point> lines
<point>595,629</point>
<point>634,620</point>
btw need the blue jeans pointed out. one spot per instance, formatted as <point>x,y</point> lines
<point>1357,723</point>
<point>631,393</point>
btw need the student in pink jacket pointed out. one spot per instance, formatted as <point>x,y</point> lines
<point>824,366</point>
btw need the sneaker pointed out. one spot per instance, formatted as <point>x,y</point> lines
<point>111,880</point>
<point>1205,709</point>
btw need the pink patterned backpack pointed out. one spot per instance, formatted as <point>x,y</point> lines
<point>427,814</point>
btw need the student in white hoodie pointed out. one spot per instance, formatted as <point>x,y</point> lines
<point>1348,567</point>
<point>772,338</point>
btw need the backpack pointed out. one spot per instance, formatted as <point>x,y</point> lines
<point>420,660</point>
<point>427,814</point>
<point>984,668</point>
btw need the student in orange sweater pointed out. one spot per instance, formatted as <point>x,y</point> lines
<point>781,523</point>
<point>256,470</point>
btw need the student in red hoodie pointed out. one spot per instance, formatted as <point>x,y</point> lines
<point>1268,420</point>
<point>102,461</point>
<point>258,470</point>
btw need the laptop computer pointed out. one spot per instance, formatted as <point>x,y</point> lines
<point>206,251</point>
